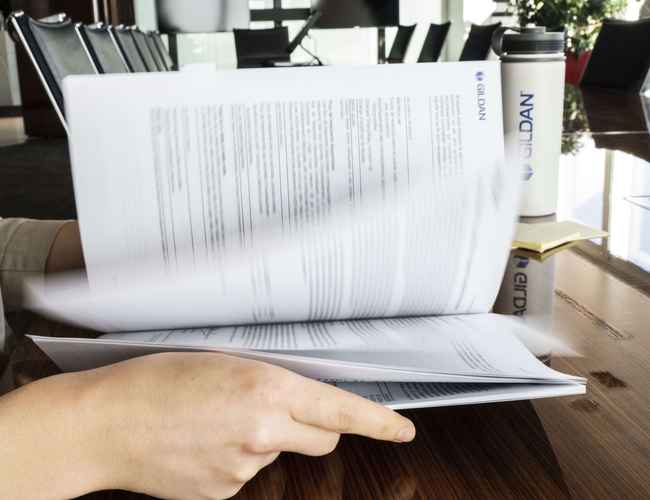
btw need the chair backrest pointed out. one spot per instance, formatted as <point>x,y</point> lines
<point>140,40</point>
<point>401,44</point>
<point>160,62</point>
<point>434,41</point>
<point>129,50</point>
<point>479,42</point>
<point>259,48</point>
<point>162,48</point>
<point>103,49</point>
<point>56,50</point>
<point>621,56</point>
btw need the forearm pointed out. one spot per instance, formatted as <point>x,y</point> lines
<point>66,253</point>
<point>51,440</point>
<point>29,248</point>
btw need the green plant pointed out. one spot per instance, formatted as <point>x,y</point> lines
<point>580,18</point>
<point>575,121</point>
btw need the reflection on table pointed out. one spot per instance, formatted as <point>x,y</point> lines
<point>601,111</point>
<point>606,184</point>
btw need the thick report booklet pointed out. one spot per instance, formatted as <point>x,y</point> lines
<point>349,223</point>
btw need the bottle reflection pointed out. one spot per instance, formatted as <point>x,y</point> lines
<point>528,289</point>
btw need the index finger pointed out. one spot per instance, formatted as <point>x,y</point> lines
<point>333,409</point>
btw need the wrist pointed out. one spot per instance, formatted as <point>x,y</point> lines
<point>84,427</point>
<point>51,434</point>
<point>101,436</point>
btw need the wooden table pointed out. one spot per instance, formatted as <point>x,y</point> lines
<point>593,446</point>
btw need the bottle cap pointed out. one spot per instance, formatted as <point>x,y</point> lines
<point>528,40</point>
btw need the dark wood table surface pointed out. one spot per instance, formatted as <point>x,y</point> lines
<point>593,446</point>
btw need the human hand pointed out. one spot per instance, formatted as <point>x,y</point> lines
<point>201,425</point>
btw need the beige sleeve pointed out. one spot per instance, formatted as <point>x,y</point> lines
<point>24,247</point>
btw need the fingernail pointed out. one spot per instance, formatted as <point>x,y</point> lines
<point>406,434</point>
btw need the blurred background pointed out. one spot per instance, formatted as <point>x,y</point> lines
<point>355,33</point>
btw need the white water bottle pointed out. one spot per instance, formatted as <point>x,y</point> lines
<point>532,72</point>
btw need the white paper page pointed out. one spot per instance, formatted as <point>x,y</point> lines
<point>74,354</point>
<point>472,344</point>
<point>325,193</point>
<point>404,396</point>
<point>404,391</point>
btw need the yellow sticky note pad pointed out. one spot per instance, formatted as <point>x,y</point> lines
<point>546,235</point>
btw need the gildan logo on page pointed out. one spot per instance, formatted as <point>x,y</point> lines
<point>481,96</point>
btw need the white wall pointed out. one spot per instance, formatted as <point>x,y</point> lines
<point>423,13</point>
<point>145,14</point>
<point>478,11</point>
<point>9,88</point>
<point>462,14</point>
<point>218,47</point>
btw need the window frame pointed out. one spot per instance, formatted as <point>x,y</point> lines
<point>278,14</point>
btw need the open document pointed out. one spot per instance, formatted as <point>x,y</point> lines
<point>349,223</point>
<point>326,193</point>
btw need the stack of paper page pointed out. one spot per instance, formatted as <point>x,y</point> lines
<point>402,362</point>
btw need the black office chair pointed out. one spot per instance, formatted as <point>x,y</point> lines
<point>129,50</point>
<point>56,51</point>
<point>479,42</point>
<point>103,48</point>
<point>401,44</point>
<point>162,49</point>
<point>141,44</point>
<point>261,48</point>
<point>434,42</point>
<point>160,62</point>
<point>621,57</point>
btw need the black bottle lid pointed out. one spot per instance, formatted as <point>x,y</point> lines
<point>528,40</point>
